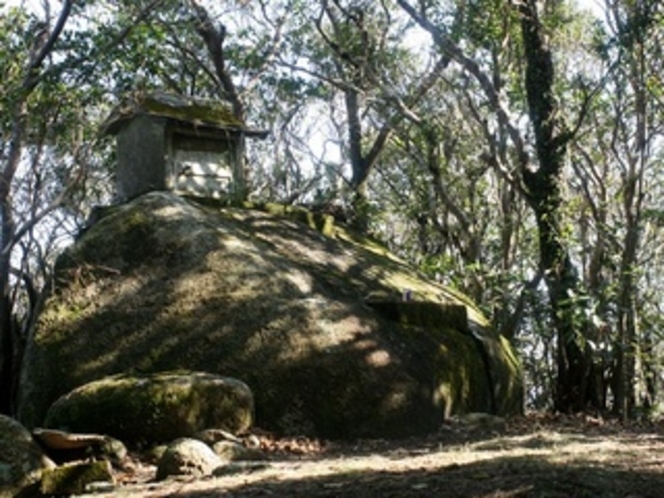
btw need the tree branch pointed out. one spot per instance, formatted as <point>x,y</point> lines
<point>450,48</point>
<point>214,40</point>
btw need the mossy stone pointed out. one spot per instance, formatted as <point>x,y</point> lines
<point>155,408</point>
<point>73,478</point>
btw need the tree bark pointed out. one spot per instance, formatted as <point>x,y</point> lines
<point>359,165</point>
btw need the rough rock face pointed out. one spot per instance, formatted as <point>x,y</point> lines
<point>21,459</point>
<point>312,322</point>
<point>155,409</point>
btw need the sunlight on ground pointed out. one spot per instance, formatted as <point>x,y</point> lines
<point>496,466</point>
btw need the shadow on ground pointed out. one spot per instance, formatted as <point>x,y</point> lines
<point>551,476</point>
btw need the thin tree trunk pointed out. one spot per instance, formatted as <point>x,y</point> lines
<point>632,202</point>
<point>627,313</point>
<point>359,167</point>
<point>7,232</point>
<point>214,38</point>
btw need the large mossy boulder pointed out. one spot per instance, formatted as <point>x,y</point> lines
<point>309,316</point>
<point>155,408</point>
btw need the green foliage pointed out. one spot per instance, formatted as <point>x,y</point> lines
<point>487,23</point>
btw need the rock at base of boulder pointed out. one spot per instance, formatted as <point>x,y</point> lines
<point>21,458</point>
<point>66,446</point>
<point>75,478</point>
<point>187,457</point>
<point>156,408</point>
<point>230,451</point>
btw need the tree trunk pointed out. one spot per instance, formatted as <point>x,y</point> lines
<point>359,167</point>
<point>214,37</point>
<point>573,365</point>
<point>544,196</point>
<point>7,232</point>
<point>626,346</point>
<point>632,202</point>
<point>6,358</point>
<point>11,347</point>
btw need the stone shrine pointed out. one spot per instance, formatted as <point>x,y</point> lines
<point>187,145</point>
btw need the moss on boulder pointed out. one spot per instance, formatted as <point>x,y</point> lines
<point>163,283</point>
<point>156,408</point>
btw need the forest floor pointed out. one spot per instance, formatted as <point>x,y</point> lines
<point>539,456</point>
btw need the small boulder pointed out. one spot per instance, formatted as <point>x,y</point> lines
<point>21,459</point>
<point>156,408</point>
<point>187,457</point>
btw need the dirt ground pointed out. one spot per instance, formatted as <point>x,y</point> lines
<point>535,456</point>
